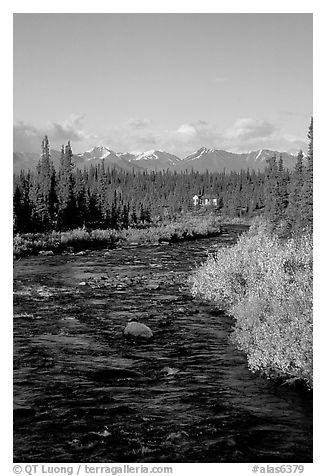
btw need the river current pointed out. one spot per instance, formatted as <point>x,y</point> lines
<point>83,393</point>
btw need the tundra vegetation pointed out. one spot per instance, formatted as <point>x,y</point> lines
<point>185,227</point>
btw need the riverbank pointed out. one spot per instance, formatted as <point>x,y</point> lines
<point>184,228</point>
<point>265,283</point>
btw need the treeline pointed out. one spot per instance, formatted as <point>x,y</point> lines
<point>46,199</point>
<point>289,196</point>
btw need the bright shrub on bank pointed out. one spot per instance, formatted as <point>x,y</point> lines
<point>266,284</point>
<point>80,238</point>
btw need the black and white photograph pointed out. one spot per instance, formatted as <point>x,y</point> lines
<point>162,241</point>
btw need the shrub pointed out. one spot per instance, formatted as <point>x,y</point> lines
<point>266,284</point>
<point>81,238</point>
<point>77,235</point>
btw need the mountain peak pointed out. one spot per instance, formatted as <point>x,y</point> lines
<point>213,160</point>
<point>199,153</point>
<point>98,152</point>
<point>205,150</point>
<point>157,154</point>
<point>147,155</point>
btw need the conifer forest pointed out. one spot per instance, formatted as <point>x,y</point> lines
<point>99,197</point>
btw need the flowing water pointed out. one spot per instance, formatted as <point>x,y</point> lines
<point>83,393</point>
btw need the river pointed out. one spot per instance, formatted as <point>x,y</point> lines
<point>83,393</point>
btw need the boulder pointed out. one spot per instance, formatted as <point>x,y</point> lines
<point>181,310</point>
<point>153,286</point>
<point>177,436</point>
<point>170,371</point>
<point>137,330</point>
<point>46,253</point>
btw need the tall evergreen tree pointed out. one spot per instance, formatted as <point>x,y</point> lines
<point>307,190</point>
<point>42,194</point>
<point>295,196</point>
<point>18,211</point>
<point>270,185</point>
<point>66,201</point>
<point>80,199</point>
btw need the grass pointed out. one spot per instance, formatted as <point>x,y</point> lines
<point>74,240</point>
<point>185,227</point>
<point>265,283</point>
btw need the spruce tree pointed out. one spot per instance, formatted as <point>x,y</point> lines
<point>80,199</point>
<point>281,191</point>
<point>295,197</point>
<point>65,191</point>
<point>42,194</point>
<point>270,186</point>
<point>18,211</point>
<point>307,189</point>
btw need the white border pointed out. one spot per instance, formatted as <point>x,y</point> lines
<point>167,6</point>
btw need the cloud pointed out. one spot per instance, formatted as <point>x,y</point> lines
<point>187,130</point>
<point>69,129</point>
<point>252,134</point>
<point>246,129</point>
<point>135,134</point>
<point>243,135</point>
<point>28,138</point>
<point>193,129</point>
<point>193,135</point>
<point>139,134</point>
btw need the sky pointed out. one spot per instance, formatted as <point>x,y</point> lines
<point>174,82</point>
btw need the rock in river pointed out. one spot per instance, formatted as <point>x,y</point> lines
<point>46,253</point>
<point>153,286</point>
<point>138,330</point>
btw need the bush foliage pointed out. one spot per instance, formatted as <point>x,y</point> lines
<point>185,227</point>
<point>265,283</point>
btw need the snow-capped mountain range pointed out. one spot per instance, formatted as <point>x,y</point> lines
<point>213,160</point>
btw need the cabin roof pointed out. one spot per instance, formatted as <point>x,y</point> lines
<point>206,195</point>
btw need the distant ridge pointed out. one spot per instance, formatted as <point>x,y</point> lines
<point>218,160</point>
<point>202,160</point>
